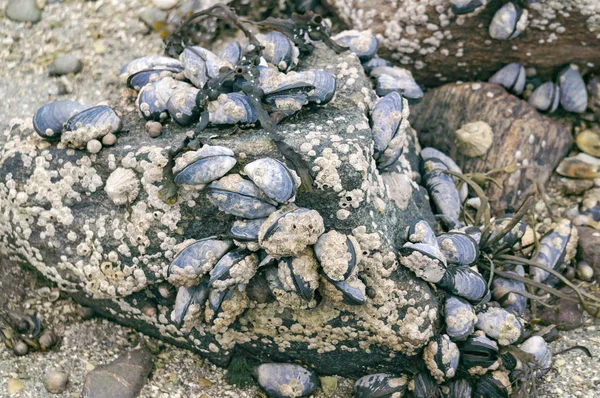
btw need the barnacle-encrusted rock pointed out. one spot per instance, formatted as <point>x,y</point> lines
<point>59,218</point>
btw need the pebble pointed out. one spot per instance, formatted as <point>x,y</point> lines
<point>86,313</point>
<point>109,139</point>
<point>94,146</point>
<point>56,381</point>
<point>153,128</point>
<point>572,186</point>
<point>20,348</point>
<point>329,385</point>
<point>150,16</point>
<point>565,314</point>
<point>14,386</point>
<point>23,11</point>
<point>584,271</point>
<point>165,4</point>
<point>65,64</point>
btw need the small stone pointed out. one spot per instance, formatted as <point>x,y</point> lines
<point>589,142</point>
<point>149,310</point>
<point>165,4</point>
<point>474,139</point>
<point>560,362</point>
<point>286,380</point>
<point>153,128</point>
<point>14,386</point>
<point>204,383</point>
<point>86,313</point>
<point>20,348</point>
<point>56,381</point>
<point>23,11</point>
<point>329,385</point>
<point>584,271</point>
<point>109,139</point>
<point>65,64</point>
<point>47,339</point>
<point>565,314</point>
<point>94,146</point>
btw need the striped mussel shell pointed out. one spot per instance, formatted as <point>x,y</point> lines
<point>500,325</point>
<point>421,232</point>
<point>424,386</point>
<point>338,254</point>
<point>545,97</point>
<point>464,282</point>
<point>558,246</point>
<point>275,179</point>
<point>426,261</point>
<point>442,192</point>
<point>478,354</point>
<point>459,388</point>
<point>511,77</point>
<point>380,385</point>
<point>313,85</point>
<point>493,385</point>
<point>460,318</point>
<point>188,296</point>
<point>441,356</point>
<point>363,43</point>
<point>101,118</point>
<point>458,248</point>
<point>432,153</point>
<point>236,267</point>
<point>246,230</point>
<point>49,119</point>
<point>279,50</point>
<point>195,260</point>
<point>210,163</point>
<point>508,22</point>
<point>239,197</point>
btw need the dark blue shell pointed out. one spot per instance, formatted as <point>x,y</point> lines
<point>239,197</point>
<point>464,282</point>
<point>273,177</point>
<point>460,318</point>
<point>380,385</point>
<point>149,62</point>
<point>232,53</point>
<point>352,295</point>
<point>246,230</point>
<point>212,162</point>
<point>139,79</point>
<point>49,119</point>
<point>356,42</point>
<point>221,268</point>
<point>385,121</point>
<point>101,117</point>
<point>545,97</point>
<point>200,255</point>
<point>421,232</point>
<point>477,350</point>
<point>187,296</point>
<point>182,106</point>
<point>511,238</point>
<point>511,77</point>
<point>458,248</point>
<point>573,93</point>
<point>394,79</point>
<point>375,62</point>
<point>552,250</point>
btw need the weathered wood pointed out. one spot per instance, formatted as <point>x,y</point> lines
<point>522,137</point>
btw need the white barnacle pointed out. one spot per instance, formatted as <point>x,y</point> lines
<point>122,186</point>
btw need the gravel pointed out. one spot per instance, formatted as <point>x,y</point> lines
<point>104,35</point>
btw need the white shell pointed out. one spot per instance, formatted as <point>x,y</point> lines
<point>122,186</point>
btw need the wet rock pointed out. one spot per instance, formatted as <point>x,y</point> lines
<point>123,378</point>
<point>56,381</point>
<point>23,11</point>
<point>521,136</point>
<point>588,249</point>
<point>566,315</point>
<point>65,64</point>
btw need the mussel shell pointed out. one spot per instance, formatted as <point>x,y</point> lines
<point>460,318</point>
<point>511,77</point>
<point>363,43</point>
<point>200,257</point>
<point>375,62</point>
<point>421,232</point>
<point>500,325</point>
<point>232,108</point>
<point>302,270</point>
<point>139,79</point>
<point>473,231</point>
<point>426,261</point>
<point>100,117</point>
<point>338,255</point>
<point>553,250</point>
<point>182,106</point>
<point>152,99</point>
<point>246,230</point>
<point>212,163</point>
<point>232,53</point>
<point>352,289</point>
<point>380,385</point>
<point>394,79</point>
<point>440,157</point>
<point>274,178</point>
<point>545,97</point>
<point>443,194</point>
<point>441,357</point>
<point>512,302</point>
<point>458,248</point>
<point>187,296</point>
<point>460,388</point>
<point>318,85</point>
<point>214,303</point>
<point>464,282</point>
<point>478,352</point>
<point>226,263</point>
<point>201,64</point>
<point>279,50</point>
<point>538,347</point>
<point>239,197</point>
<point>511,238</point>
<point>424,386</point>
<point>275,379</point>
<point>492,385</point>
<point>385,121</point>
<point>49,119</point>
<point>149,62</point>
<point>287,293</point>
<point>573,93</point>
<point>507,22</point>
<point>460,7</point>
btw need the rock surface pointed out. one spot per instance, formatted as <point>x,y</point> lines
<point>122,378</point>
<point>114,258</point>
<point>522,137</point>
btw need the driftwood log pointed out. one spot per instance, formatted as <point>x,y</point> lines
<point>521,137</point>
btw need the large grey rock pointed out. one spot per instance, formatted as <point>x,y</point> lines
<point>23,11</point>
<point>57,217</point>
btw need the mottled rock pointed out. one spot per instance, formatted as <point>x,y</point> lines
<point>565,314</point>
<point>111,244</point>
<point>65,64</point>
<point>588,249</point>
<point>23,11</point>
<point>522,137</point>
<point>123,378</point>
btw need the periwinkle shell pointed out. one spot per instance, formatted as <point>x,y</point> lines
<point>274,178</point>
<point>211,163</point>
<point>573,93</point>
<point>500,325</point>
<point>380,385</point>
<point>460,318</point>
<point>49,119</point>
<point>239,197</point>
<point>511,77</point>
<point>286,380</point>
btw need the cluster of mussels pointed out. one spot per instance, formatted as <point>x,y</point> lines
<point>475,353</point>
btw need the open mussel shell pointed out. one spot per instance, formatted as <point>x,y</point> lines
<point>460,7</point>
<point>421,232</point>
<point>380,385</point>
<point>182,106</point>
<point>556,247</point>
<point>239,264</point>
<point>573,93</point>
<point>139,79</point>
<point>187,296</point>
<point>274,178</point>
<point>289,230</point>
<point>395,79</point>
<point>500,325</point>
<point>239,197</point>
<point>385,121</point>
<point>196,260</point>
<point>459,388</point>
<point>101,118</point>
<point>362,43</point>
<point>338,254</point>
<point>232,53</point>
<point>426,261</point>
<point>279,50</point>
<point>510,238</point>
<point>276,379</point>
<point>460,318</point>
<point>375,62</point>
<point>508,22</point>
<point>211,163</point>
<point>493,385</point>
<point>300,274</point>
<point>538,347</point>
<point>232,108</point>
<point>441,158</point>
<point>149,62</point>
<point>201,64</point>
<point>49,119</point>
<point>458,248</point>
<point>246,230</point>
<point>545,97</point>
<point>478,354</point>
<point>153,98</point>
<point>464,282</point>
<point>441,357</point>
<point>511,77</point>
<point>503,289</point>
